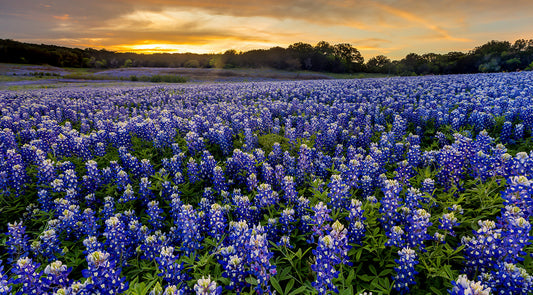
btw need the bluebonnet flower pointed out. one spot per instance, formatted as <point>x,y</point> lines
<point>367,185</point>
<point>428,186</point>
<point>49,244</point>
<point>265,197</point>
<point>18,179</point>
<point>288,187</point>
<point>271,229</point>
<point>192,171</point>
<point>103,275</point>
<point>340,236</point>
<point>152,245</point>
<point>45,200</point>
<point>405,271</point>
<point>100,149</point>
<point>188,229</point>
<point>287,221</point>
<point>399,150</point>
<point>251,182</point>
<point>5,287</point>
<point>70,180</point>
<point>259,259</point>
<point>17,241</point>
<point>144,190</point>
<point>414,156</point>
<point>147,169</point>
<point>4,183</point>
<point>69,218</point>
<point>217,221</point>
<point>463,286</point>
<point>91,181</point>
<point>518,131</point>
<point>396,237</point>
<point>508,278</point>
<point>46,172</point>
<point>305,165</point>
<point>238,236</point>
<point>356,226</point>
<point>416,230</point>
<point>414,198</point>
<point>390,204</point>
<point>235,271</point>
<point>205,286</point>
<point>108,209</point>
<point>243,207</point>
<point>127,195</point>
<point>279,175</point>
<point>122,180</point>
<point>324,266</point>
<point>92,244</point>
<point>26,274</point>
<point>338,193</point>
<point>285,241</point>
<point>207,164</point>
<point>57,275</point>
<point>267,173</point>
<point>447,222</point>
<point>219,181</point>
<point>171,271</point>
<point>481,251</point>
<point>155,214</point>
<point>115,234</point>
<point>320,220</point>
<point>250,139</point>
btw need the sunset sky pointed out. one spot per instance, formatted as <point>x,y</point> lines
<point>390,27</point>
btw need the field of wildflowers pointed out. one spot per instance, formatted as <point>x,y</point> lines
<point>400,185</point>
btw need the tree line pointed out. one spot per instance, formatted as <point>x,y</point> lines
<point>493,56</point>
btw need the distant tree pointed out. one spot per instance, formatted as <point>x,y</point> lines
<point>193,63</point>
<point>350,57</point>
<point>304,53</point>
<point>379,64</point>
<point>128,63</point>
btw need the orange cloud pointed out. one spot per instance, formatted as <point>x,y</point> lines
<point>411,17</point>
<point>62,17</point>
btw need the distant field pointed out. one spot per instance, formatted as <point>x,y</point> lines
<point>15,76</point>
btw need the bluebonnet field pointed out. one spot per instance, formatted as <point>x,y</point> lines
<point>399,185</point>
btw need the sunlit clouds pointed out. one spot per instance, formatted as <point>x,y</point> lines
<point>391,27</point>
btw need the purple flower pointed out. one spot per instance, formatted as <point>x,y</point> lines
<point>171,271</point>
<point>324,266</point>
<point>103,274</point>
<point>17,241</point>
<point>405,271</point>
<point>205,286</point>
<point>25,271</point>
<point>463,286</point>
<point>259,259</point>
<point>217,222</point>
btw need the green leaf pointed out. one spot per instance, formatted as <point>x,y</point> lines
<point>298,291</point>
<point>251,281</point>
<point>358,254</point>
<point>435,290</point>
<point>372,269</point>
<point>365,278</point>
<point>350,277</point>
<point>289,286</point>
<point>276,285</point>
<point>385,272</point>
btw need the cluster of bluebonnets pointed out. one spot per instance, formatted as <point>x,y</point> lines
<point>302,187</point>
